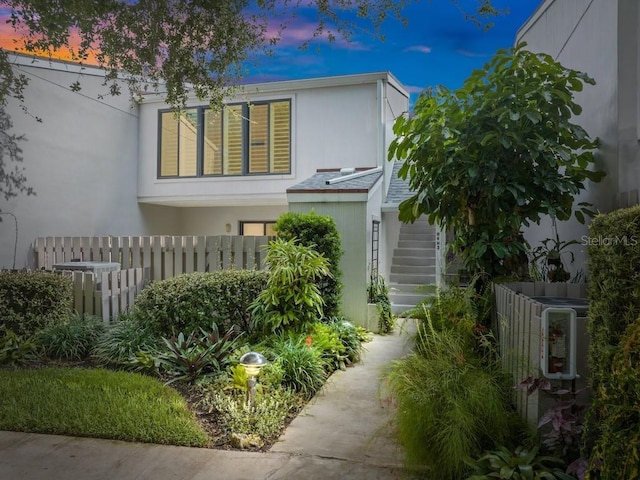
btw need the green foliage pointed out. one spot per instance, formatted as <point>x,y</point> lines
<point>16,350</point>
<point>612,421</point>
<point>96,403</point>
<point>552,256</point>
<point>32,300</point>
<point>451,406</point>
<point>350,338</point>
<point>192,301</point>
<point>332,351</point>
<point>267,417</point>
<point>292,299</point>
<point>378,293</point>
<point>71,340</point>
<point>123,340</point>
<point>203,46</point>
<point>321,233</point>
<point>302,365</point>
<point>195,357</point>
<point>520,464</point>
<point>495,155</point>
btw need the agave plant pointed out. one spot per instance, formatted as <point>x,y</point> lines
<point>520,464</point>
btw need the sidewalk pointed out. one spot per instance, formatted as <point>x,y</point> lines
<point>343,433</point>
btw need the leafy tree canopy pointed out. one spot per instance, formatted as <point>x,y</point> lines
<point>497,154</point>
<point>185,46</point>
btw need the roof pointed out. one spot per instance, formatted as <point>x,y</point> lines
<point>398,188</point>
<point>359,181</point>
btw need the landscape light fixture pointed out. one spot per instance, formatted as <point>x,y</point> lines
<point>252,363</point>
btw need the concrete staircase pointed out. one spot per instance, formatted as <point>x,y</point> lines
<point>413,266</point>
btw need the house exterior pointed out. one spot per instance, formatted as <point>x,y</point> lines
<point>102,166</point>
<point>600,38</point>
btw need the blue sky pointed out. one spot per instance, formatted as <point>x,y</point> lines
<point>438,47</point>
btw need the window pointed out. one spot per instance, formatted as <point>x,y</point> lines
<point>243,139</point>
<point>257,228</point>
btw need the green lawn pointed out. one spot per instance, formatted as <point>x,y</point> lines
<point>96,403</point>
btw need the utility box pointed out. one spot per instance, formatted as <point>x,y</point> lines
<point>558,343</point>
<point>97,268</point>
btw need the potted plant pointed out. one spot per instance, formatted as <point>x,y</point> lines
<point>379,315</point>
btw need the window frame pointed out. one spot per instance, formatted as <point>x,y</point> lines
<point>245,145</point>
<point>264,223</point>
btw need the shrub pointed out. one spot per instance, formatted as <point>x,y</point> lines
<point>267,417</point>
<point>196,300</point>
<point>196,356</point>
<point>16,350</point>
<point>349,337</point>
<point>520,464</point>
<point>321,233</point>
<point>378,293</point>
<point>302,366</point>
<point>33,300</point>
<point>614,304</point>
<point>450,408</point>
<point>291,300</point>
<point>71,340</point>
<point>332,351</point>
<point>123,340</point>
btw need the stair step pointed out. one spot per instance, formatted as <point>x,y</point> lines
<point>416,243</point>
<point>415,269</point>
<point>408,260</point>
<point>417,237</point>
<point>413,289</point>
<point>413,252</point>
<point>412,278</point>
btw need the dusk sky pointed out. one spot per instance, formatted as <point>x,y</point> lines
<point>438,47</point>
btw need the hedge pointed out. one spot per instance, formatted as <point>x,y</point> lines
<point>193,300</point>
<point>612,425</point>
<point>30,301</point>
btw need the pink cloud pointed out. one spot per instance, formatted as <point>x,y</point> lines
<point>467,53</point>
<point>296,32</point>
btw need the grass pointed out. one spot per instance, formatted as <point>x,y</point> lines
<point>97,403</point>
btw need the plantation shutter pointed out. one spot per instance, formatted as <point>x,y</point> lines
<point>212,149</point>
<point>280,128</point>
<point>233,140</point>
<point>168,145</point>
<point>259,138</point>
<point>188,144</point>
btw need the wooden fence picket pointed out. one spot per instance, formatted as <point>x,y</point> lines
<point>142,259</point>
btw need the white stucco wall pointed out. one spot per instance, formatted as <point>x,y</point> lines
<point>583,35</point>
<point>335,123</point>
<point>81,160</point>
<point>213,220</point>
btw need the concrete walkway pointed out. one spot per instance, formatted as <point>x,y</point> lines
<point>343,433</point>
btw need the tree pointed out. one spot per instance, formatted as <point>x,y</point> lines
<point>184,47</point>
<point>495,155</point>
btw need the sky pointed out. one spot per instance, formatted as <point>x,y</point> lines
<point>438,46</point>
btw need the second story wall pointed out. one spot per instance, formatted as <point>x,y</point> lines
<point>335,122</point>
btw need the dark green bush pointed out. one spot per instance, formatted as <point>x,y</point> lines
<point>123,340</point>
<point>196,300</point>
<point>73,339</point>
<point>614,304</point>
<point>321,232</point>
<point>32,300</point>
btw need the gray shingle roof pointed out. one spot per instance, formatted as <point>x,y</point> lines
<point>398,188</point>
<point>318,183</point>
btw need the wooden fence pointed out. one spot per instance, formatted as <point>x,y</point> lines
<point>519,333</point>
<point>108,294</point>
<point>143,259</point>
<point>165,256</point>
